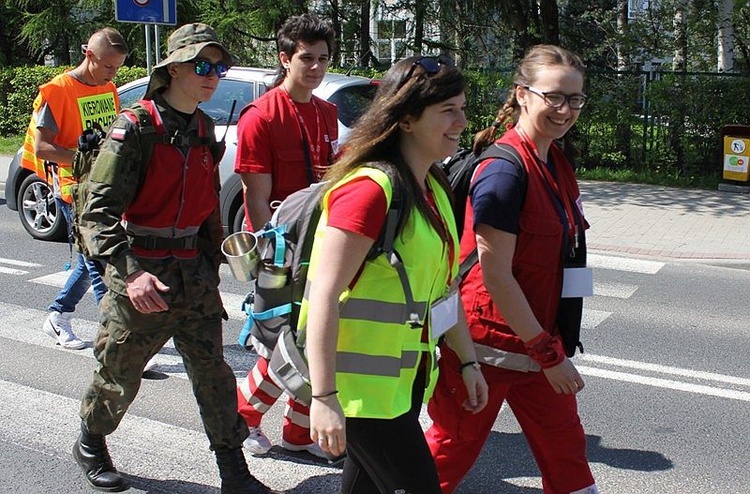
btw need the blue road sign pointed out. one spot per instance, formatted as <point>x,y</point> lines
<point>146,11</point>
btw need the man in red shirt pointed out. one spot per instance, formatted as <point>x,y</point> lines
<point>287,138</point>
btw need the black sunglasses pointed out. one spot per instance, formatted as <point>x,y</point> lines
<point>431,65</point>
<point>204,68</point>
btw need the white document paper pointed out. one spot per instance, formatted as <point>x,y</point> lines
<point>444,314</point>
<point>578,282</point>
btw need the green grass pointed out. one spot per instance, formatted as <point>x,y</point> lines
<point>649,177</point>
<point>9,145</point>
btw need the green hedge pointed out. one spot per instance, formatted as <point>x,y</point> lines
<point>19,87</point>
<point>669,123</point>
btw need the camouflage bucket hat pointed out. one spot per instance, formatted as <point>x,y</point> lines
<point>183,46</point>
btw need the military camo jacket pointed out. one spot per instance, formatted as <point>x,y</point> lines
<point>114,183</point>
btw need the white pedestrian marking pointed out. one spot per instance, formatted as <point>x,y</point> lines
<point>233,305</point>
<point>593,318</point>
<point>617,290</point>
<point>140,447</point>
<point>623,264</point>
<point>232,301</point>
<point>665,369</point>
<point>57,279</point>
<point>25,325</point>
<point>665,383</point>
<point>21,264</point>
<point>15,272</point>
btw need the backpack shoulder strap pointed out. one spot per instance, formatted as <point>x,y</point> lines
<point>502,151</point>
<point>385,245</point>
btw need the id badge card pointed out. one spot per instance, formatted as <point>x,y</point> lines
<point>444,314</point>
<point>578,282</point>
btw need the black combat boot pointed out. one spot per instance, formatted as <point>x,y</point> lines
<point>90,452</point>
<point>235,477</point>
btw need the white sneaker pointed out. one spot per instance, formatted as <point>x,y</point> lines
<point>257,443</point>
<point>311,448</point>
<point>152,364</point>
<point>57,325</point>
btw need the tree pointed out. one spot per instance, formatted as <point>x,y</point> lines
<point>726,37</point>
<point>679,62</point>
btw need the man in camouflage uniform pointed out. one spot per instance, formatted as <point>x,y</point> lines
<point>153,216</point>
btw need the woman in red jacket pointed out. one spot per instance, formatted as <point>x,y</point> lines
<point>528,227</point>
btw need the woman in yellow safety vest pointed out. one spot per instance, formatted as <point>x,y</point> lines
<point>372,320</point>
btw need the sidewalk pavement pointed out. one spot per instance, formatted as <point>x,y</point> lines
<point>666,222</point>
<point>652,221</point>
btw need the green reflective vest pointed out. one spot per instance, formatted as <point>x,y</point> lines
<point>378,352</point>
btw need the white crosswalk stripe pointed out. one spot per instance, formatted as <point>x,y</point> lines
<point>17,272</point>
<point>151,449</point>
<point>232,301</point>
<point>23,264</point>
<point>24,325</point>
<point>623,264</point>
<point>17,264</point>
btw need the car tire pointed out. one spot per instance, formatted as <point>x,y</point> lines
<point>238,223</point>
<point>38,211</point>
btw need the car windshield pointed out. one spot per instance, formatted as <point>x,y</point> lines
<point>229,91</point>
<point>218,108</point>
<point>352,101</point>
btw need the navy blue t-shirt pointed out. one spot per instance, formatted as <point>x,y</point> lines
<point>496,196</point>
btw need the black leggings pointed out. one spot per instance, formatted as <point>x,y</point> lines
<point>390,456</point>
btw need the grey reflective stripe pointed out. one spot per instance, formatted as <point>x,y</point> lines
<point>506,360</point>
<point>167,232</point>
<point>378,311</point>
<point>375,365</point>
<point>374,310</point>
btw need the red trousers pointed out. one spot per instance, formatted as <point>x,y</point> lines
<point>258,393</point>
<point>549,421</point>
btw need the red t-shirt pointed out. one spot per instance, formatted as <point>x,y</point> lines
<point>358,207</point>
<point>269,140</point>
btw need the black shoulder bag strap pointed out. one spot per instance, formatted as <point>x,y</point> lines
<point>509,153</point>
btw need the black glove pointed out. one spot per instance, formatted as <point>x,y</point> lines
<point>89,140</point>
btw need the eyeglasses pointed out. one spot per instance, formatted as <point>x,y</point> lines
<point>557,100</point>
<point>204,68</point>
<point>430,65</point>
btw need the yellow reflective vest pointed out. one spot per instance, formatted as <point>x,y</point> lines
<point>378,352</point>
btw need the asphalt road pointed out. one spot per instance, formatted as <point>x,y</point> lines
<point>665,408</point>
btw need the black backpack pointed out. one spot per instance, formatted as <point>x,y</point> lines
<point>460,171</point>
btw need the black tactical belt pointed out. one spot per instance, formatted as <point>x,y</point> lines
<point>162,243</point>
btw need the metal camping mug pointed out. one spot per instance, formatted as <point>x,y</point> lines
<point>271,276</point>
<point>241,251</point>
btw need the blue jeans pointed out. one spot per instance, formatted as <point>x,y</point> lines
<point>86,273</point>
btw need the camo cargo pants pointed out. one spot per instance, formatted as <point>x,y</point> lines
<point>127,339</point>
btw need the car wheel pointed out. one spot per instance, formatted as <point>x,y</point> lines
<point>38,211</point>
<point>238,224</point>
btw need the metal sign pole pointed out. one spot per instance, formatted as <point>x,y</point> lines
<point>157,44</point>
<point>148,49</point>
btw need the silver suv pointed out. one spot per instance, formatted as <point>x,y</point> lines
<point>31,196</point>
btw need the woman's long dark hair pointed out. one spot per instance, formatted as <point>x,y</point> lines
<point>376,135</point>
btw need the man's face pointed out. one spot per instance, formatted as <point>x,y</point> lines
<point>103,68</point>
<point>308,65</point>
